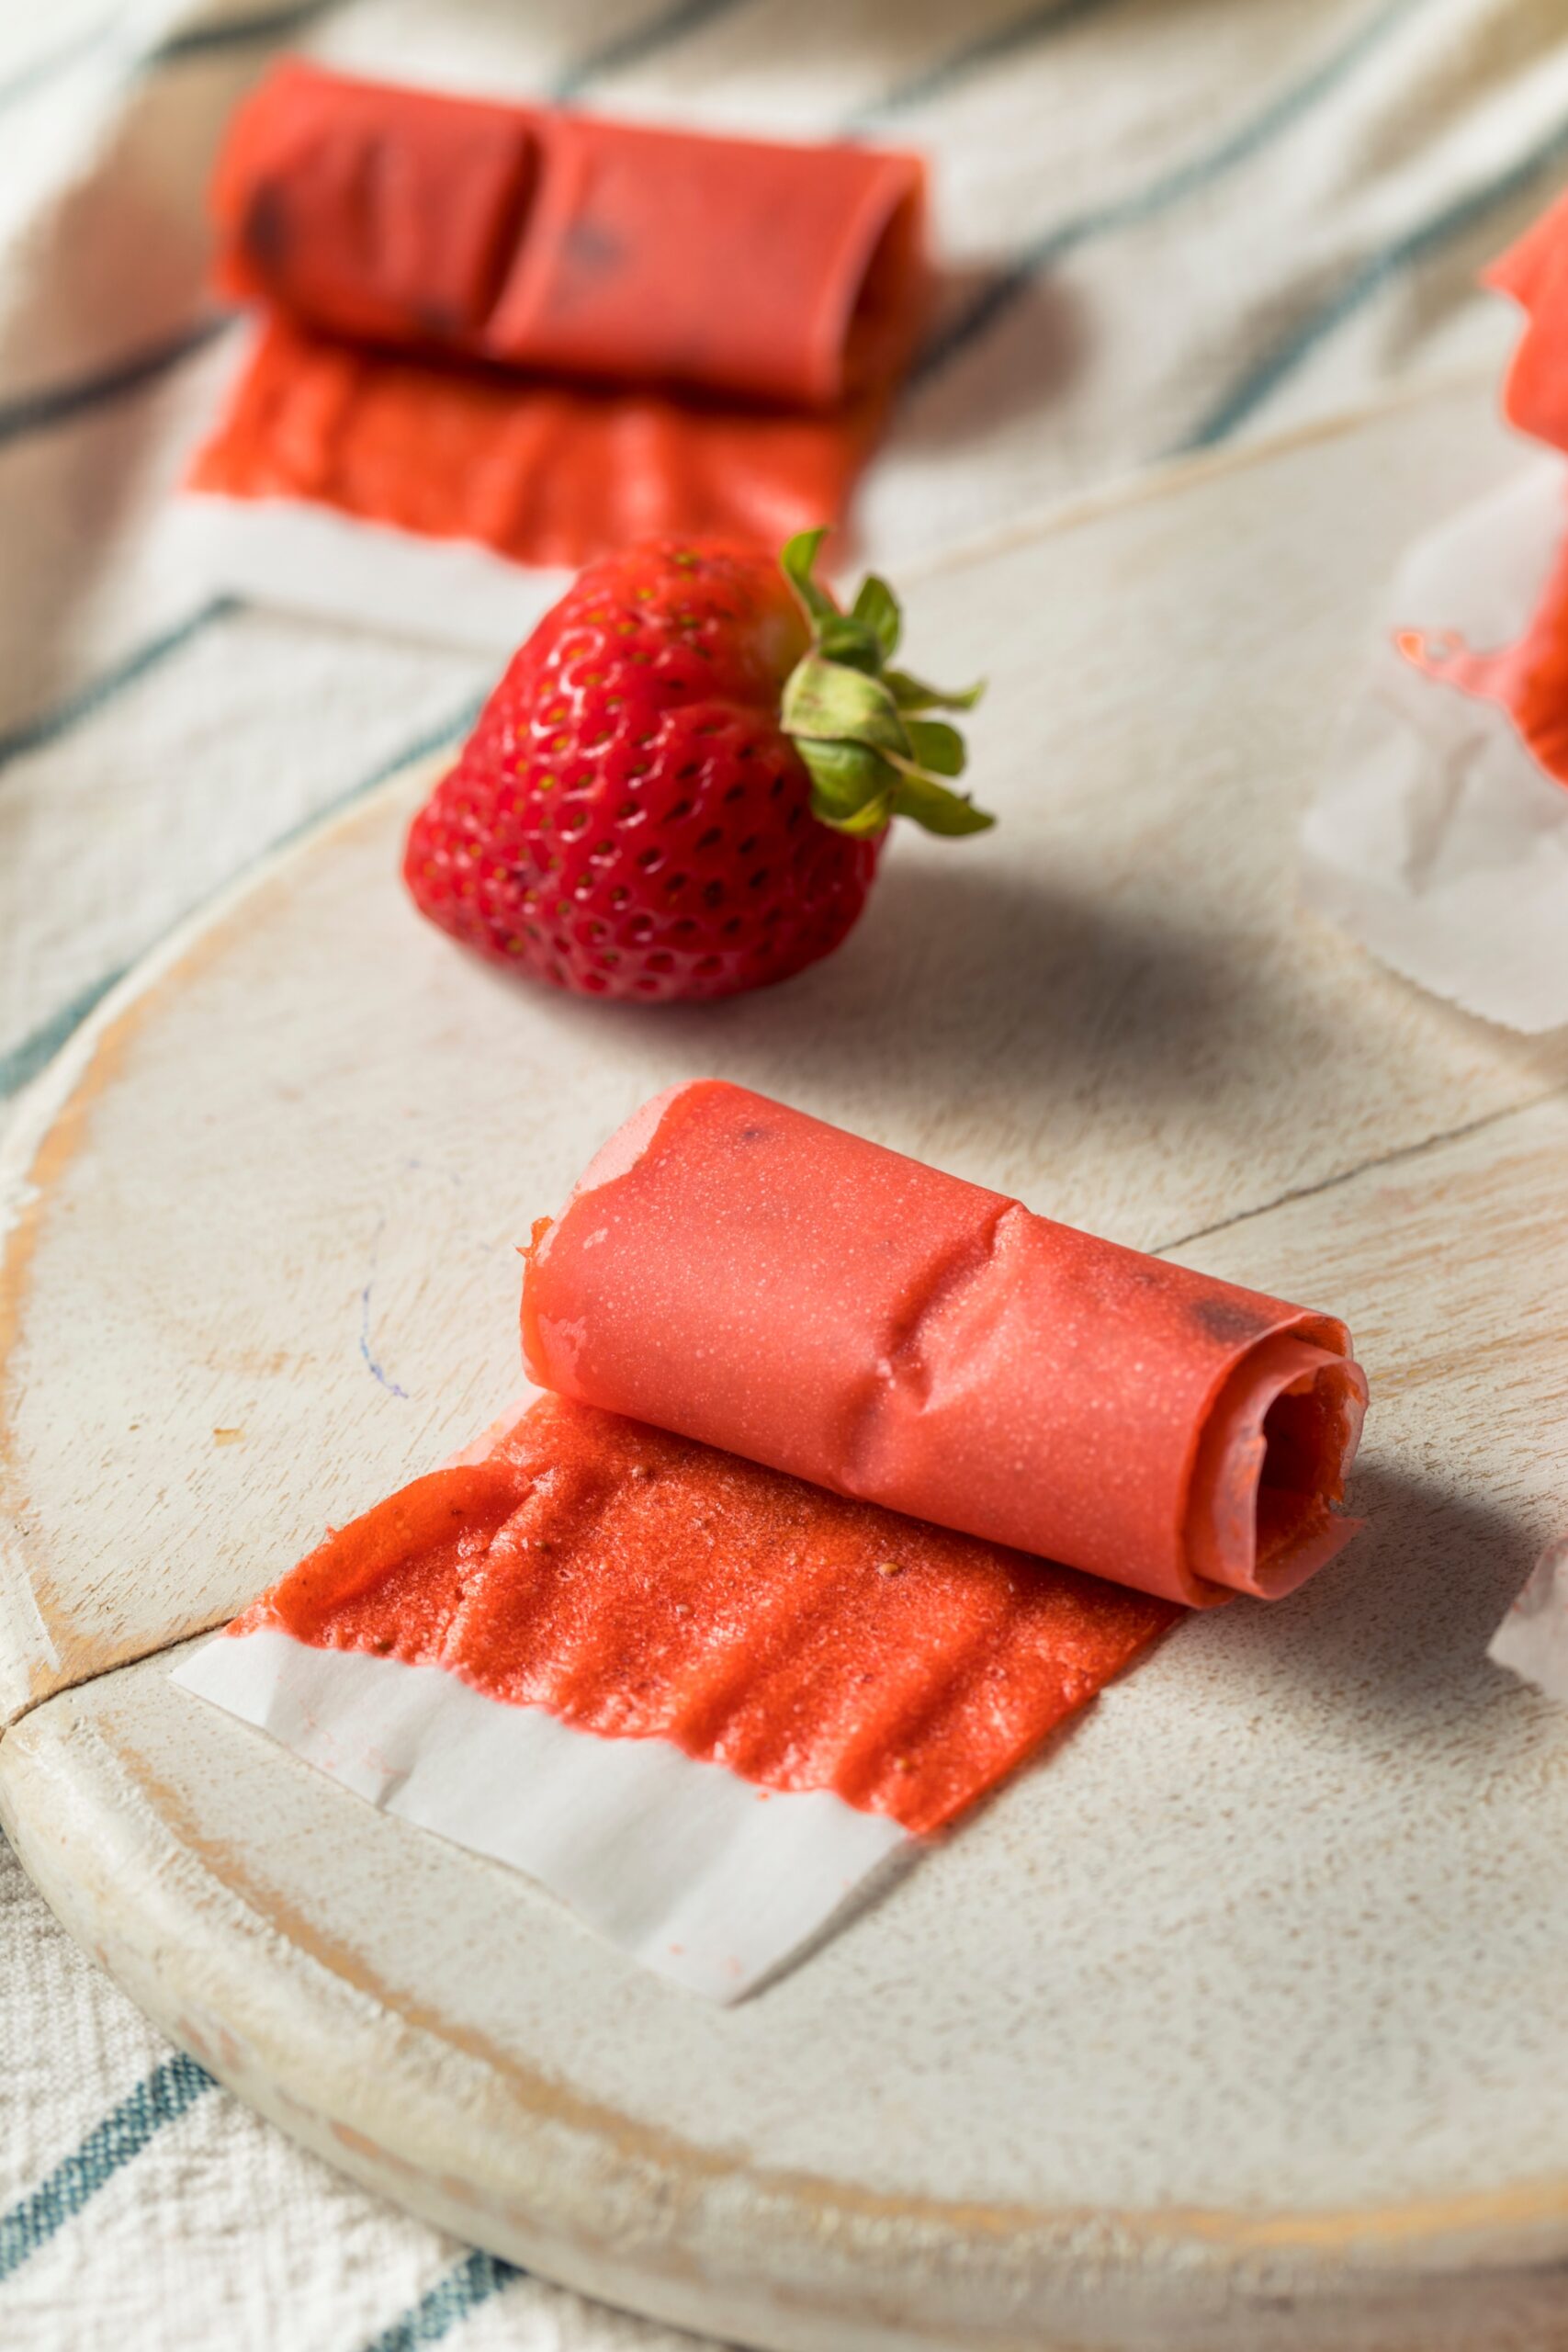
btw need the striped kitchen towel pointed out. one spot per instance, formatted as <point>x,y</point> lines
<point>1166,224</point>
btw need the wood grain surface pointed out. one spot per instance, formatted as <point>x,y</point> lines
<point>1241,2020</point>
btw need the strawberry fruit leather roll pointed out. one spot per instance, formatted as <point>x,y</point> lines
<point>742,1273</point>
<point>563,243</point>
<point>552,334</point>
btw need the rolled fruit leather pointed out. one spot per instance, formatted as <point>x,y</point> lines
<point>555,242</point>
<point>741,1272</point>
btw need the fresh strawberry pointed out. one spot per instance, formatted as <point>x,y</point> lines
<point>681,785</point>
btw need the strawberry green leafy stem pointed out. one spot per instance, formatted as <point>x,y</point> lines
<point>857,724</point>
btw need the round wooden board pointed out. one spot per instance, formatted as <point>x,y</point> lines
<point>1242,2021</point>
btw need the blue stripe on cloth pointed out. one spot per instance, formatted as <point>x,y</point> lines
<point>234,32</point>
<point>23,1061</point>
<point>1002,41</point>
<point>1248,139</point>
<point>430,740</point>
<point>640,41</point>
<point>161,2098</point>
<point>440,2309</point>
<point>1370,276</point>
<point>57,404</point>
<point>35,734</point>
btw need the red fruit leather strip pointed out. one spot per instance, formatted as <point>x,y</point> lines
<point>1534,270</point>
<point>562,243</point>
<point>546,473</point>
<point>1529,679</point>
<point>745,1275</point>
<point>641,1586</point>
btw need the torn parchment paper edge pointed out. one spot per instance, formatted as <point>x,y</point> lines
<point>294,557</point>
<point>1434,839</point>
<point>1532,1640</point>
<point>702,1877</point>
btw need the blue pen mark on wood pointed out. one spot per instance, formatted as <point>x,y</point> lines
<point>373,1363</point>
<point>418,1166</point>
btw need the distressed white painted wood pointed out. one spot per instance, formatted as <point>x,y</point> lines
<point>1242,2022</point>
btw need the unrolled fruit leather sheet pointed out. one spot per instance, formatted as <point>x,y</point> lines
<point>705,1704</point>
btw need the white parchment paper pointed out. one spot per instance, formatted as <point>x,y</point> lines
<point>1434,839</point>
<point>1532,1640</point>
<point>293,556</point>
<point>699,1875</point>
